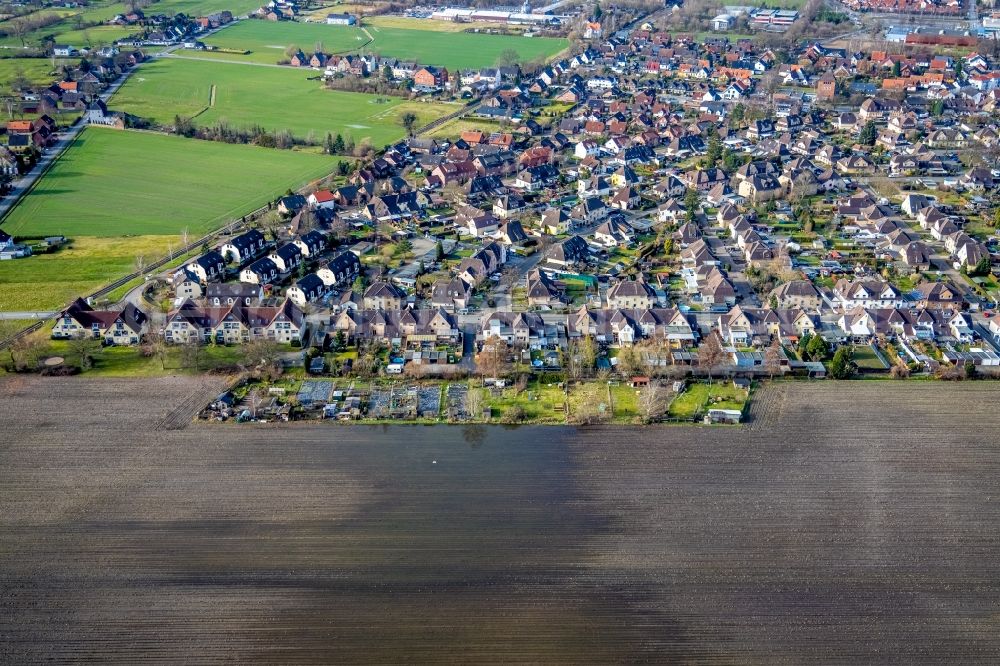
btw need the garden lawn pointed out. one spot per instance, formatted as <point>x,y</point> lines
<point>542,402</point>
<point>115,183</point>
<point>454,128</point>
<point>129,361</point>
<point>590,397</point>
<point>96,36</point>
<point>697,396</point>
<point>45,282</point>
<point>866,358</point>
<point>273,98</point>
<point>454,50</point>
<point>625,403</point>
<point>203,7</point>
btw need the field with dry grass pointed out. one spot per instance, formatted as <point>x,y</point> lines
<point>848,522</point>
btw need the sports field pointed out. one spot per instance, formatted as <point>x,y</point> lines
<point>274,98</point>
<point>455,50</point>
<point>114,183</point>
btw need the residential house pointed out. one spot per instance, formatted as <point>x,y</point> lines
<point>342,269</point>
<point>406,328</point>
<point>262,271</point>
<point>223,294</point>
<point>311,243</point>
<point>287,257</point>
<point>573,250</point>
<point>114,327</point>
<point>543,291</point>
<point>308,289</point>
<point>797,294</point>
<point>383,295</point>
<point>451,294</point>
<point>525,330</point>
<point>208,267</point>
<point>631,294</point>
<point>867,294</point>
<point>244,247</point>
<point>235,324</point>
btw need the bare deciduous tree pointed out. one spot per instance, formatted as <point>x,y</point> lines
<point>710,354</point>
<point>652,402</point>
<point>24,352</point>
<point>492,359</point>
<point>260,354</point>
<point>154,345</point>
<point>255,399</point>
<point>85,351</point>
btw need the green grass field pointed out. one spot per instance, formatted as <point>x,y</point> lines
<point>50,281</point>
<point>202,7</point>
<point>267,41</point>
<point>698,397</point>
<point>277,99</point>
<point>70,29</point>
<point>37,71</point>
<point>455,50</point>
<point>69,24</point>
<point>433,26</point>
<point>113,183</point>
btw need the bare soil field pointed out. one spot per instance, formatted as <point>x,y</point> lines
<point>849,522</point>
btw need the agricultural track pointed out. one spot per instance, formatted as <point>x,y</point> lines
<point>180,416</point>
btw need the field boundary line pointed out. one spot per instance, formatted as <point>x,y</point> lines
<point>211,103</point>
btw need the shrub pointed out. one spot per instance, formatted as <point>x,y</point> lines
<point>514,414</point>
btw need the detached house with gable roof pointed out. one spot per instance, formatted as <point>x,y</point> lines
<point>244,247</point>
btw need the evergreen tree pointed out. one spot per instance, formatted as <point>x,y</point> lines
<point>691,201</point>
<point>842,365</point>
<point>868,134</point>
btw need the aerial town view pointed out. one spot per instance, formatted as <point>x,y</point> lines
<point>632,331</point>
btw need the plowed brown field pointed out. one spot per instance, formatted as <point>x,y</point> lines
<point>848,523</point>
